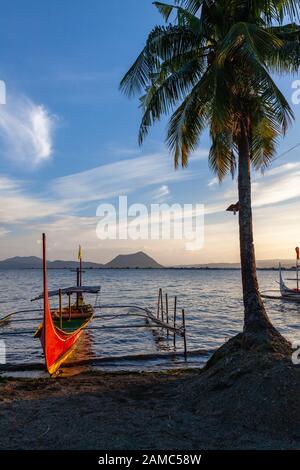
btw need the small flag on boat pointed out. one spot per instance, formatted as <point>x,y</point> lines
<point>298,252</point>
<point>80,253</point>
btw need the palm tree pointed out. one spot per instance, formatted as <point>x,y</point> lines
<point>211,68</point>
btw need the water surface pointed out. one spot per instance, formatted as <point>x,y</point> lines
<point>211,299</point>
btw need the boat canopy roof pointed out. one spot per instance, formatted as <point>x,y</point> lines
<point>71,290</point>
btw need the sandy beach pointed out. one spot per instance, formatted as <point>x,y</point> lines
<point>245,402</point>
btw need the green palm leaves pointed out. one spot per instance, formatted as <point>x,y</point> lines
<point>211,68</point>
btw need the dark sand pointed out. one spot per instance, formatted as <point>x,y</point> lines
<point>248,401</point>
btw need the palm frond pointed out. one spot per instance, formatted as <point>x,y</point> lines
<point>263,144</point>
<point>289,8</point>
<point>255,40</point>
<point>193,6</point>
<point>265,87</point>
<point>287,58</point>
<point>162,96</point>
<point>164,9</point>
<point>163,43</point>
<point>221,156</point>
<point>216,59</point>
<point>189,120</point>
<point>184,17</point>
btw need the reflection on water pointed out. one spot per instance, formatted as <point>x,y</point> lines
<point>211,299</point>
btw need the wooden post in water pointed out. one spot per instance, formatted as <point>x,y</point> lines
<point>162,306</point>
<point>174,321</point>
<point>184,335</point>
<point>167,313</point>
<point>60,309</point>
<point>159,302</point>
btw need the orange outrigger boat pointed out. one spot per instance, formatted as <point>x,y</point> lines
<point>62,327</point>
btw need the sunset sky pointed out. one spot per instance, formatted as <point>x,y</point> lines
<point>68,141</point>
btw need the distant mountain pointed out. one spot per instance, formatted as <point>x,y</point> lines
<point>273,263</point>
<point>58,264</point>
<point>135,260</point>
<point>33,262</point>
<point>21,262</point>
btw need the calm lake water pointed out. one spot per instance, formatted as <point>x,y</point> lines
<point>211,299</point>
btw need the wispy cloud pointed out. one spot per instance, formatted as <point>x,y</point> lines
<point>213,182</point>
<point>199,155</point>
<point>3,232</point>
<point>275,186</point>
<point>70,194</point>
<point>119,178</point>
<point>19,207</point>
<point>280,184</point>
<point>162,193</point>
<point>26,131</point>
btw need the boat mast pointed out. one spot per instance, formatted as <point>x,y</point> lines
<point>44,282</point>
<point>80,265</point>
<point>77,284</point>
<point>297,265</point>
<point>79,276</point>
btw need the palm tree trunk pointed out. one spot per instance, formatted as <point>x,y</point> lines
<point>255,314</point>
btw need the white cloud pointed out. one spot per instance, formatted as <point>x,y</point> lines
<point>119,178</point>
<point>199,155</point>
<point>278,185</point>
<point>7,184</point>
<point>3,232</point>
<point>161,193</point>
<point>26,131</point>
<point>66,195</point>
<point>213,182</point>
<point>278,170</point>
<point>275,186</point>
<point>17,206</point>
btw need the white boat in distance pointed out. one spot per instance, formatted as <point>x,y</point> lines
<point>286,292</point>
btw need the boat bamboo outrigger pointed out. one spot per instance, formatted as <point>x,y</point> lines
<point>61,328</point>
<point>286,292</point>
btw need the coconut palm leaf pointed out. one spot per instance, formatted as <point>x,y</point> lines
<point>163,95</point>
<point>191,5</point>
<point>221,157</point>
<point>253,39</point>
<point>184,17</point>
<point>189,120</point>
<point>235,43</point>
<point>163,43</point>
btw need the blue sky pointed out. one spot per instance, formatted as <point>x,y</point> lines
<point>68,141</point>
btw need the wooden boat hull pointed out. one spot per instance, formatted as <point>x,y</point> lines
<point>58,344</point>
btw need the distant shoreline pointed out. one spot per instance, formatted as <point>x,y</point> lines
<point>168,268</point>
<point>139,260</point>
